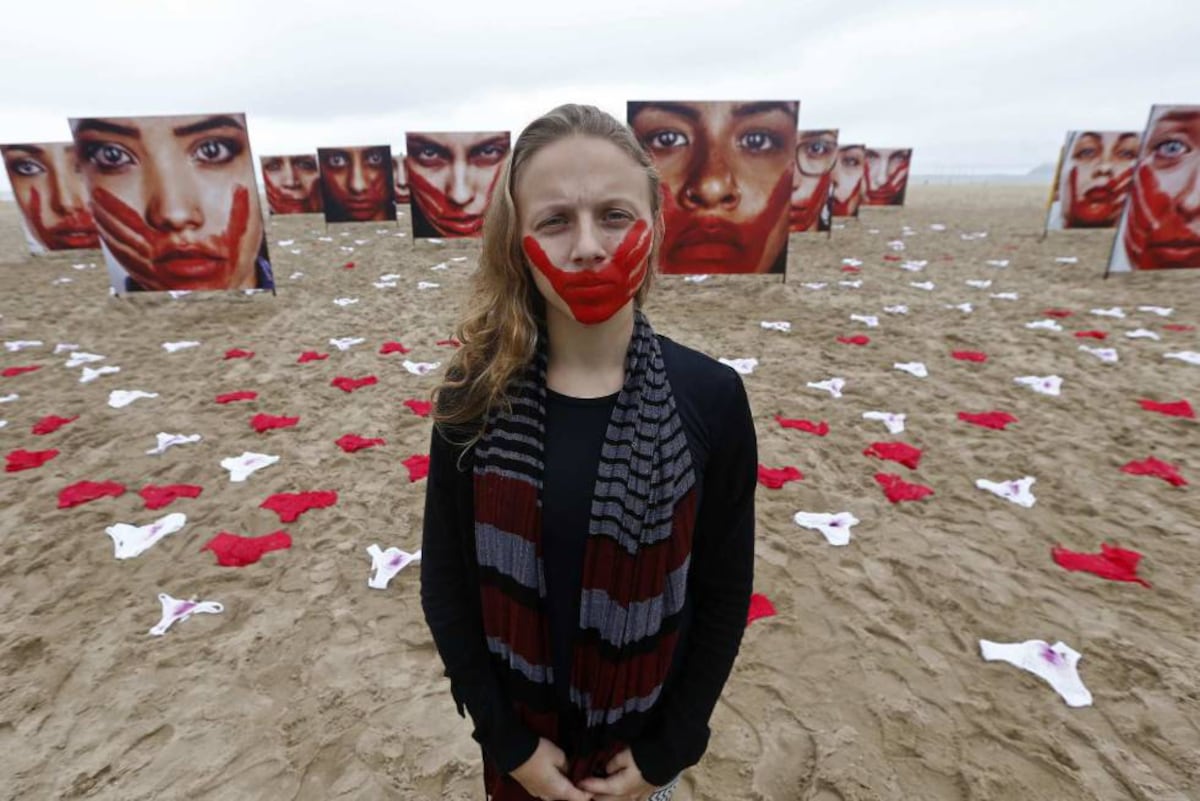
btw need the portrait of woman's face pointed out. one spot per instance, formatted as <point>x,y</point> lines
<point>727,172</point>
<point>356,183</point>
<point>175,200</point>
<point>400,190</point>
<point>451,177</point>
<point>816,155</point>
<point>847,180</point>
<point>885,175</point>
<point>1097,174</point>
<point>1162,221</point>
<point>293,184</point>
<point>49,191</point>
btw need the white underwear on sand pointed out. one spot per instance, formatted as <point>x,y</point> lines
<point>175,609</point>
<point>836,527</point>
<point>1115,311</point>
<point>815,285</point>
<point>1189,356</point>
<point>1056,664</point>
<point>1006,296</point>
<point>742,366</point>
<point>166,440</point>
<point>901,309</point>
<point>869,320</point>
<point>893,420</point>
<point>1106,355</point>
<point>386,564</point>
<point>833,386</point>
<point>1143,333</point>
<point>1047,325</point>
<point>345,343</point>
<point>1017,490</point>
<point>174,347</point>
<point>1161,311</point>
<point>16,345</point>
<point>913,368</point>
<point>90,374</point>
<point>926,285</point>
<point>1043,384</point>
<point>240,467</point>
<point>130,541</point>
<point>779,325</point>
<point>78,359</point>
<point>421,368</point>
<point>120,398</point>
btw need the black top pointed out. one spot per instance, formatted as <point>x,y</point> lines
<point>717,421</point>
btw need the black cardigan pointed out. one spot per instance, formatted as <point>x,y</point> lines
<point>716,417</point>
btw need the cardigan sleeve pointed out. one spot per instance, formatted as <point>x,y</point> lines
<point>450,601</point>
<point>721,579</point>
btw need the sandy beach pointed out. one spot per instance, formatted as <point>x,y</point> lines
<point>867,684</point>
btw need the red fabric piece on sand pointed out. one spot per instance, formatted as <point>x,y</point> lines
<point>776,477</point>
<point>238,353</point>
<point>84,491</point>
<point>897,489</point>
<point>51,423</point>
<point>857,339</point>
<point>419,407</point>
<point>418,466</point>
<point>235,551</point>
<point>1115,564</point>
<point>996,420</point>
<point>393,347</point>
<point>820,429</point>
<point>290,505</point>
<point>1091,335</point>
<point>350,384</point>
<point>850,268</point>
<point>900,452</point>
<point>1174,409</point>
<point>312,356</point>
<point>348,265</point>
<point>1059,313</point>
<point>1159,469</point>
<point>10,372</point>
<point>240,395</point>
<point>156,497</point>
<point>26,460</point>
<point>760,606</point>
<point>265,422</point>
<point>451,342</point>
<point>353,442</point>
<point>969,355</point>
<point>891,257</point>
<point>1178,327</point>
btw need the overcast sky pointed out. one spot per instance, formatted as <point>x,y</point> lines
<point>984,85</point>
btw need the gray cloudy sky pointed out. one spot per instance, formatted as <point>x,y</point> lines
<point>983,85</point>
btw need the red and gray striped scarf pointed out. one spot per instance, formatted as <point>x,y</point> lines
<point>634,570</point>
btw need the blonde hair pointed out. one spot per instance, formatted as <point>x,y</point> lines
<point>499,328</point>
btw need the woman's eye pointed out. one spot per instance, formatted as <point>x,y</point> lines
<point>27,168</point>
<point>1171,149</point>
<point>108,156</point>
<point>374,159</point>
<point>1086,153</point>
<point>668,139</point>
<point>336,162</point>
<point>758,141</point>
<point>617,216</point>
<point>818,149</point>
<point>216,151</point>
<point>551,222</point>
<point>1127,155</point>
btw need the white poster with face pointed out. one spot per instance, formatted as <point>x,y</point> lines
<point>293,184</point>
<point>885,175</point>
<point>728,172</point>
<point>816,156</point>
<point>1095,173</point>
<point>356,183</point>
<point>50,195</point>
<point>1160,226</point>
<point>848,180</point>
<point>451,176</point>
<point>175,201</point>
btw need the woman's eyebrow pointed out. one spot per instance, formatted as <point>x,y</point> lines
<point>104,126</point>
<point>764,106</point>
<point>208,124</point>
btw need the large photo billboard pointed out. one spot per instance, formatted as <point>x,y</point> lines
<point>50,195</point>
<point>175,201</point>
<point>728,169</point>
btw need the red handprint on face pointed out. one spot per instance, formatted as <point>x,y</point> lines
<point>162,260</point>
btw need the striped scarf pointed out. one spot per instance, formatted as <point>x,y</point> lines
<point>634,570</point>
